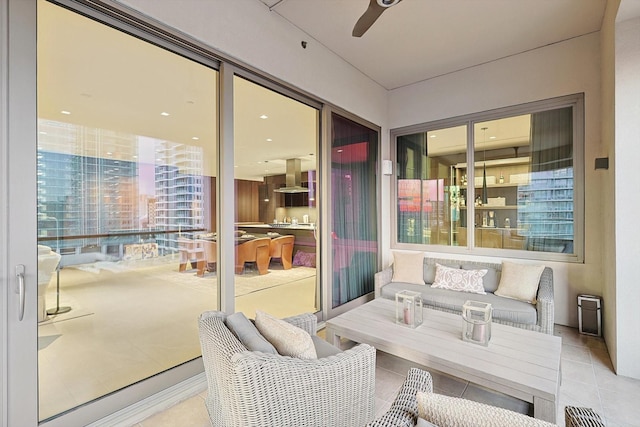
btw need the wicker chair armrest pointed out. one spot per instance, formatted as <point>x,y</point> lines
<point>404,409</point>
<point>581,417</point>
<point>276,390</point>
<point>306,321</point>
<point>382,278</point>
<point>544,305</point>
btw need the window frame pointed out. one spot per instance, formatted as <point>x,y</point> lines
<point>576,102</point>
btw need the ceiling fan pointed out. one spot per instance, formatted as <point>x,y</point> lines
<point>373,12</point>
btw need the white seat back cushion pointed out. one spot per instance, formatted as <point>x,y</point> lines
<point>408,267</point>
<point>520,281</point>
<point>288,339</point>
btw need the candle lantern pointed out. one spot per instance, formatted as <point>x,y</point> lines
<point>409,308</point>
<point>476,322</point>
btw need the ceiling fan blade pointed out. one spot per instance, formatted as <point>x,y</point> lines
<point>367,19</point>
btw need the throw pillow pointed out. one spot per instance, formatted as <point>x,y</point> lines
<point>457,412</point>
<point>490,280</point>
<point>248,334</point>
<point>288,339</point>
<point>457,279</point>
<point>519,281</point>
<point>407,267</point>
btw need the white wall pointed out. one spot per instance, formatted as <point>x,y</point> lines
<point>564,68</point>
<point>627,182</point>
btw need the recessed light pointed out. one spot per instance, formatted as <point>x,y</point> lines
<point>269,139</point>
<point>340,151</point>
<point>264,116</point>
<point>109,153</point>
<point>195,138</point>
<point>164,113</point>
<point>259,163</point>
<point>492,137</point>
<point>65,112</point>
<point>433,136</point>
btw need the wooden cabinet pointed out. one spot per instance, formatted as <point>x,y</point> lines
<point>247,206</point>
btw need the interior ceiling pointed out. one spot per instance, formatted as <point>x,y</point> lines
<point>417,40</point>
<point>110,80</point>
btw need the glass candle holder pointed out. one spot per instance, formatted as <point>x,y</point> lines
<point>409,308</point>
<point>476,322</point>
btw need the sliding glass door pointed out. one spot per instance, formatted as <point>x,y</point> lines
<point>126,167</point>
<point>276,194</point>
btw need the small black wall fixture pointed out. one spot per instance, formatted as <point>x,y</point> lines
<point>602,163</point>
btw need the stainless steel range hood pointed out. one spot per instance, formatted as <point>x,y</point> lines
<point>293,179</point>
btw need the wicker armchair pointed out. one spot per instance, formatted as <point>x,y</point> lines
<point>404,410</point>
<point>248,388</point>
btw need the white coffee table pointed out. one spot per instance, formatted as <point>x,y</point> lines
<point>520,363</point>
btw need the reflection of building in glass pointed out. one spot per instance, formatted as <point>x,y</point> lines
<point>545,211</point>
<point>179,190</point>
<point>89,186</point>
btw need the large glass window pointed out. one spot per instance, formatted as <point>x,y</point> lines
<point>520,194</point>
<point>125,172</point>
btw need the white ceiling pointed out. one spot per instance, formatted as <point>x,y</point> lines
<point>417,40</point>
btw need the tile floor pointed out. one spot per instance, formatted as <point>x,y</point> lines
<point>587,380</point>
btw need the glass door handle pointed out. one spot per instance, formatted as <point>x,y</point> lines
<point>20,290</point>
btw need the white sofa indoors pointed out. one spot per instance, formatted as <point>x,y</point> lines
<point>521,297</point>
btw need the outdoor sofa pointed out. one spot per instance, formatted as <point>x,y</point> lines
<point>537,315</point>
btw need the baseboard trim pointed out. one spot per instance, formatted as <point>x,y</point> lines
<point>159,402</point>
